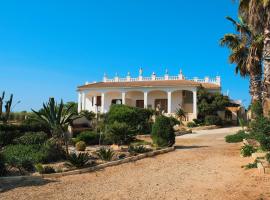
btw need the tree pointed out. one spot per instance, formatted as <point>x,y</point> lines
<point>257,14</point>
<point>246,52</point>
<point>5,116</point>
<point>58,119</point>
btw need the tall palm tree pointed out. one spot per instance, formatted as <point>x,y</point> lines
<point>257,14</point>
<point>58,119</point>
<point>246,52</point>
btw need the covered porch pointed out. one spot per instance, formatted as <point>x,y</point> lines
<point>164,100</point>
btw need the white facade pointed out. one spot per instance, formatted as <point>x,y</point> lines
<point>140,92</point>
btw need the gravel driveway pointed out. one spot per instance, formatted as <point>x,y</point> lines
<point>202,167</point>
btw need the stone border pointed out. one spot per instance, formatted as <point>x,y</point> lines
<point>10,180</point>
<point>263,167</point>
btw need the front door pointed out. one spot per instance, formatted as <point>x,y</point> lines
<point>140,103</point>
<point>161,105</point>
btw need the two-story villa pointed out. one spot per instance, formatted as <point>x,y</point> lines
<point>167,93</point>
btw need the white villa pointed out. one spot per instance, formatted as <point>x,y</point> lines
<point>166,93</point>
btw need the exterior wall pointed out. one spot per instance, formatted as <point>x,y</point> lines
<point>109,96</point>
<point>132,97</point>
<point>153,95</point>
<point>177,100</point>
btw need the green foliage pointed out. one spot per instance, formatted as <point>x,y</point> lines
<point>105,154</point>
<point>180,113</point>
<point>73,106</point>
<point>260,126</point>
<point>3,169</point>
<point>267,157</point>
<point>44,170</point>
<point>89,137</point>
<point>32,138</point>
<point>138,149</point>
<point>257,109</point>
<point>120,133</point>
<point>210,103</point>
<point>89,115</point>
<point>136,118</point>
<point>252,165</point>
<point>238,137</point>
<point>162,132</point>
<point>247,150</point>
<point>80,146</point>
<point>212,120</point>
<point>78,160</point>
<point>191,124</point>
<point>264,141</point>
<point>4,116</point>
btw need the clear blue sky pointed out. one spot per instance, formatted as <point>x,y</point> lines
<point>48,48</point>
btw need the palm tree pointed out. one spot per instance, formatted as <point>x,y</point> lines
<point>246,53</point>
<point>257,14</point>
<point>58,119</point>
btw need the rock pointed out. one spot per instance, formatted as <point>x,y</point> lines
<point>115,147</point>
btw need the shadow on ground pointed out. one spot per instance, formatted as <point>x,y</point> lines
<point>189,147</point>
<point>25,183</point>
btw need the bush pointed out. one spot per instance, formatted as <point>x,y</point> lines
<point>267,157</point>
<point>32,138</point>
<point>138,149</point>
<point>191,124</point>
<point>22,157</point>
<point>212,120</point>
<point>89,137</point>
<point>80,146</point>
<point>247,150</point>
<point>7,137</point>
<point>105,154</point>
<point>136,118</point>
<point>162,132</point>
<point>120,133</point>
<point>264,141</point>
<point>79,160</point>
<point>257,109</point>
<point>51,152</point>
<point>44,170</point>
<point>260,126</point>
<point>238,137</point>
<point>3,170</point>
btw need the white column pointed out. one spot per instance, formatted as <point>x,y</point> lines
<point>102,102</point>
<point>79,102</point>
<point>83,101</point>
<point>123,98</point>
<point>145,99</point>
<point>195,104</point>
<point>169,102</point>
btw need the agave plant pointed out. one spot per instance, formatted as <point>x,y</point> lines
<point>57,118</point>
<point>105,154</point>
<point>78,160</point>
<point>180,113</point>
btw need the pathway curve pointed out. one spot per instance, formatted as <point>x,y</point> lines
<point>202,167</point>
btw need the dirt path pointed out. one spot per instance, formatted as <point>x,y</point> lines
<point>202,167</point>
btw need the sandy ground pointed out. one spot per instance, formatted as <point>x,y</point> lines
<point>202,167</point>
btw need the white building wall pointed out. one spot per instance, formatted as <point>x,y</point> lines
<point>109,96</point>
<point>152,96</point>
<point>177,100</point>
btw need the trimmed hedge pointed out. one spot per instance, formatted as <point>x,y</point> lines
<point>89,137</point>
<point>162,132</point>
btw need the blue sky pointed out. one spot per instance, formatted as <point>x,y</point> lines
<point>48,48</point>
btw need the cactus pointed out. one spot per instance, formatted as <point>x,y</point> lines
<point>8,108</point>
<point>1,104</point>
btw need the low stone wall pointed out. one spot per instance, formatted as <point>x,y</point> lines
<point>5,181</point>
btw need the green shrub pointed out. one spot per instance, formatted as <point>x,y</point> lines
<point>22,157</point>
<point>247,150</point>
<point>80,146</point>
<point>89,137</point>
<point>44,170</point>
<point>267,157</point>
<point>136,118</point>
<point>51,152</point>
<point>138,149</point>
<point>212,120</point>
<point>264,141</point>
<point>257,109</point>
<point>191,124</point>
<point>32,138</point>
<point>78,160</point>
<point>162,132</point>
<point>238,137</point>
<point>120,133</point>
<point>260,126</point>
<point>252,165</point>
<point>105,154</point>
<point>7,137</point>
<point>3,170</point>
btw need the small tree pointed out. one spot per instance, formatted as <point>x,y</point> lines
<point>4,116</point>
<point>58,119</point>
<point>162,132</point>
